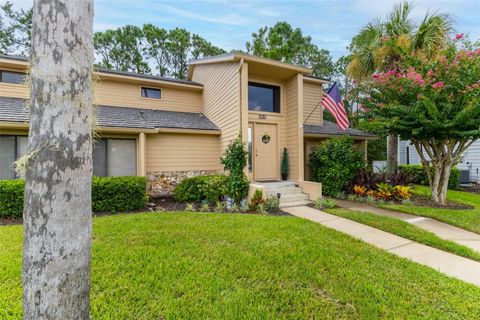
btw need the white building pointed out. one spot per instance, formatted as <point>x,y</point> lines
<point>407,154</point>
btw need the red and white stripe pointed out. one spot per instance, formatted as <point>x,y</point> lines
<point>337,111</point>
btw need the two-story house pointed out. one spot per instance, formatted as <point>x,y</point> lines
<point>168,129</point>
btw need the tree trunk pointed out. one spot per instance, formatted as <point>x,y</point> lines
<point>392,152</point>
<point>443,187</point>
<point>57,214</point>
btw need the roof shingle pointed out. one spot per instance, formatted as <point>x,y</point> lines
<point>331,129</point>
<point>16,110</point>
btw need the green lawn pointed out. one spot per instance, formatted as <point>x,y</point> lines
<point>232,266</point>
<point>466,219</point>
<point>406,230</point>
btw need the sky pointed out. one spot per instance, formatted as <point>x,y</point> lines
<point>229,24</point>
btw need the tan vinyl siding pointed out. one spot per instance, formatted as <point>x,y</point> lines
<point>221,97</point>
<point>182,152</point>
<point>294,135</point>
<point>122,94</point>
<point>14,90</point>
<point>312,94</point>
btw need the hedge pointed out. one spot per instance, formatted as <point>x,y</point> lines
<point>417,175</point>
<point>109,194</point>
<point>114,194</point>
<point>210,188</point>
<point>11,198</point>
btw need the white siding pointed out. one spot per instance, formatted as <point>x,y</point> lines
<point>471,158</point>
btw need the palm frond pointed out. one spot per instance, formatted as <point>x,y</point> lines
<point>432,33</point>
<point>398,21</point>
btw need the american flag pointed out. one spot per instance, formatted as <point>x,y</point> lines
<point>333,102</point>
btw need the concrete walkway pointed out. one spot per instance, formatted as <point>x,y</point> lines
<point>450,264</point>
<point>441,229</point>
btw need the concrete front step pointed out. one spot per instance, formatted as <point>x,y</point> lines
<point>290,193</point>
<point>282,191</point>
<point>294,204</point>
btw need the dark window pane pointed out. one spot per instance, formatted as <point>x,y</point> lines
<point>7,157</point>
<point>151,93</point>
<point>263,98</point>
<point>100,158</point>
<point>12,77</point>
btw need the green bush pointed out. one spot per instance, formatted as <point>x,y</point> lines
<point>109,194</point>
<point>335,163</point>
<point>210,188</point>
<point>234,161</point>
<point>114,194</point>
<point>11,198</point>
<point>418,175</point>
<point>272,204</point>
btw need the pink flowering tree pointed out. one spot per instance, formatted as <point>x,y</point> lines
<point>433,102</point>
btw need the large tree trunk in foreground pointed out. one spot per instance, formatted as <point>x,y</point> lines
<point>392,154</point>
<point>57,214</point>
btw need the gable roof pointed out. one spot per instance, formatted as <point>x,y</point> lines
<point>15,110</point>
<point>331,129</point>
<point>238,56</point>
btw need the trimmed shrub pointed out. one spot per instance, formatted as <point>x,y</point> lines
<point>234,161</point>
<point>109,194</point>
<point>418,175</point>
<point>210,188</point>
<point>114,194</point>
<point>11,198</point>
<point>335,163</point>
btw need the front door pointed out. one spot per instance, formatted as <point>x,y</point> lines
<point>265,151</point>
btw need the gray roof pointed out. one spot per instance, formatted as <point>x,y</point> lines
<point>331,129</point>
<point>123,73</point>
<point>15,110</point>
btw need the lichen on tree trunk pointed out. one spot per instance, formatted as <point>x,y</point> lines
<point>57,214</point>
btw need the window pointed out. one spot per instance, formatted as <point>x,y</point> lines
<point>12,148</point>
<point>151,93</point>
<point>263,97</point>
<point>115,157</point>
<point>12,77</point>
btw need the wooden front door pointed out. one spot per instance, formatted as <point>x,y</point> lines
<point>265,151</point>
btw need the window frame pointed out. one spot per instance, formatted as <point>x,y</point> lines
<point>277,97</point>
<point>2,71</point>
<point>160,90</point>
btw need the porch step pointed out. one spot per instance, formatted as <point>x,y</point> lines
<point>290,194</point>
<point>286,199</point>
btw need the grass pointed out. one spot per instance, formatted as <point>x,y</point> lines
<point>466,219</point>
<point>406,230</point>
<point>219,266</point>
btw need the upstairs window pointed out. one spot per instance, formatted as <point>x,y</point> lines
<point>151,93</point>
<point>263,97</point>
<point>12,77</point>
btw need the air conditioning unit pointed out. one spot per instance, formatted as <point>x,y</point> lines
<point>464,176</point>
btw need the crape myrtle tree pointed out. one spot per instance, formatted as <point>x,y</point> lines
<point>434,102</point>
<point>58,166</point>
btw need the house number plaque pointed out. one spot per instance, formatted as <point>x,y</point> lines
<point>262,116</point>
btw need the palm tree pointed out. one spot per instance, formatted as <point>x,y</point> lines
<point>371,53</point>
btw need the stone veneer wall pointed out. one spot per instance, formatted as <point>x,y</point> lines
<point>162,183</point>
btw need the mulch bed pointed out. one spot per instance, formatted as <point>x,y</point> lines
<point>167,203</point>
<point>474,188</point>
<point>7,222</point>
<point>427,202</point>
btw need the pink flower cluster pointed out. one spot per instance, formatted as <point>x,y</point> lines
<point>438,85</point>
